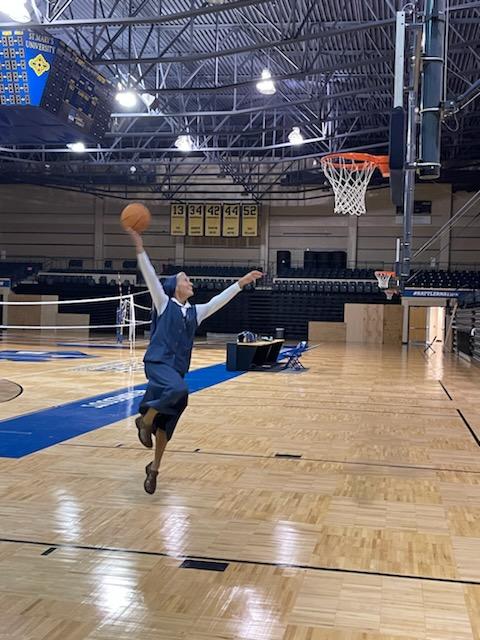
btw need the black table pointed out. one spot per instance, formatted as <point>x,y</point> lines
<point>249,356</point>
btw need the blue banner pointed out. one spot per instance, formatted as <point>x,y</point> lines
<point>432,293</point>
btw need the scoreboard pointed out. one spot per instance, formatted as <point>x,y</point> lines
<point>25,64</point>
<point>48,93</point>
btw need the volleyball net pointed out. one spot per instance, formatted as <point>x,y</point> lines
<point>119,319</point>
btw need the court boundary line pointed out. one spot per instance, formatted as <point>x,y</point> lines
<point>445,389</point>
<point>472,432</point>
<point>323,408</point>
<point>462,417</point>
<point>18,394</point>
<point>272,457</point>
<point>264,563</point>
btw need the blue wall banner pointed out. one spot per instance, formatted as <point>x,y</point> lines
<point>432,293</point>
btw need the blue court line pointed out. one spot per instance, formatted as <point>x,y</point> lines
<point>26,434</point>
<point>85,345</point>
<point>41,356</point>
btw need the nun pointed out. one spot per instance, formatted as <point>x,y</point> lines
<point>168,355</point>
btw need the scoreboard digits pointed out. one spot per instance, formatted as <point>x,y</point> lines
<point>25,62</point>
<point>13,70</point>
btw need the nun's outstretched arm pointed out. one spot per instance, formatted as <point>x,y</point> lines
<point>216,303</point>
<point>159,297</point>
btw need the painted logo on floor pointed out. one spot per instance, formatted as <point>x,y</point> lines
<point>25,434</point>
<point>42,356</point>
<point>119,366</point>
<point>109,400</point>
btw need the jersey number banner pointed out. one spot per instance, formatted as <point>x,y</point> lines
<point>231,220</point>
<point>213,219</point>
<point>178,219</point>
<point>195,219</point>
<point>249,220</point>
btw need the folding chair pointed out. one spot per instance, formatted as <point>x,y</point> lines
<point>294,356</point>
<point>429,345</point>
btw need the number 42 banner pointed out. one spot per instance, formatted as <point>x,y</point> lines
<point>213,219</point>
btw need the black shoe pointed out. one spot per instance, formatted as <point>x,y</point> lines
<point>150,483</point>
<point>144,432</point>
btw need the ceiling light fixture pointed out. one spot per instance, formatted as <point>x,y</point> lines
<point>127,99</point>
<point>184,143</point>
<point>266,85</point>
<point>76,147</point>
<point>148,99</point>
<point>15,9</point>
<point>295,137</point>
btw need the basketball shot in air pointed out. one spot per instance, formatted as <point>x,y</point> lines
<point>136,216</point>
<point>167,358</point>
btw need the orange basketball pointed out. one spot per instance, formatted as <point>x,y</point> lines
<point>136,216</point>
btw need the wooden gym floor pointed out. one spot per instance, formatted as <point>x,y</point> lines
<point>340,503</point>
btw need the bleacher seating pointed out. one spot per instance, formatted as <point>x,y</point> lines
<point>427,279</point>
<point>215,277</point>
<point>79,281</point>
<point>288,302</point>
<point>327,273</point>
<point>18,271</point>
<point>212,271</point>
<point>87,270</point>
<point>336,279</point>
<point>343,287</point>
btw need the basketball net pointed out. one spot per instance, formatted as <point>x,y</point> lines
<point>390,293</point>
<point>349,179</point>
<point>383,278</point>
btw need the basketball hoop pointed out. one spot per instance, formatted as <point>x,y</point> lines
<point>383,278</point>
<point>349,174</point>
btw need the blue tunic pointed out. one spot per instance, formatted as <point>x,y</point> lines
<point>167,360</point>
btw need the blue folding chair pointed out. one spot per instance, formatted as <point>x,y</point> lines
<point>293,356</point>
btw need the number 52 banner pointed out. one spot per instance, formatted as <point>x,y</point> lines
<point>249,220</point>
